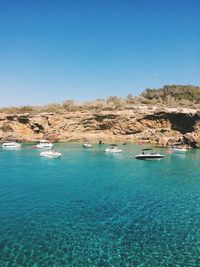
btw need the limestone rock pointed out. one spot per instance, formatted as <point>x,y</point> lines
<point>159,126</point>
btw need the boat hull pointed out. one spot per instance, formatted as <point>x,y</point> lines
<point>52,155</point>
<point>149,157</point>
<point>11,146</point>
<point>113,150</point>
<point>87,146</point>
<point>44,146</point>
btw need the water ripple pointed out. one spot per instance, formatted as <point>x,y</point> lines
<point>90,209</point>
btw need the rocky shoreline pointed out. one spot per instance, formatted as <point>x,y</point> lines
<point>141,124</point>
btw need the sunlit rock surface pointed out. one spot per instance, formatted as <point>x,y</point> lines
<point>159,126</point>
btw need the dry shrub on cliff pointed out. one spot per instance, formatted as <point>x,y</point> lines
<point>114,102</point>
<point>53,107</point>
<point>132,100</point>
<point>169,95</point>
<point>96,105</point>
<point>26,109</point>
<point>69,105</point>
<point>20,110</point>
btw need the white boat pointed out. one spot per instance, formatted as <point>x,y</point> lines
<point>179,149</point>
<point>113,149</point>
<point>87,145</point>
<point>51,154</point>
<point>148,154</point>
<point>44,144</point>
<point>11,145</point>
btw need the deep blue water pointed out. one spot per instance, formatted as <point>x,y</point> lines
<point>94,209</point>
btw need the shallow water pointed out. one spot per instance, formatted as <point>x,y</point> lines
<point>94,209</point>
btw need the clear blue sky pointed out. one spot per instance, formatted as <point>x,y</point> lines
<point>51,51</point>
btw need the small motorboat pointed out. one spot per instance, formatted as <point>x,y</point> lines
<point>11,145</point>
<point>87,145</point>
<point>178,149</point>
<point>44,144</point>
<point>51,154</point>
<point>113,148</point>
<point>148,154</point>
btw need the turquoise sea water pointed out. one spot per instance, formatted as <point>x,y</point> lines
<point>94,209</point>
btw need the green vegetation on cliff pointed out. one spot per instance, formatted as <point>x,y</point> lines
<point>168,96</point>
<point>174,92</point>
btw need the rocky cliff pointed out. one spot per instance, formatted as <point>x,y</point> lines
<point>140,124</point>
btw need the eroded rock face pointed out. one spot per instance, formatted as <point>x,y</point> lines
<point>193,138</point>
<point>154,126</point>
<point>179,121</point>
